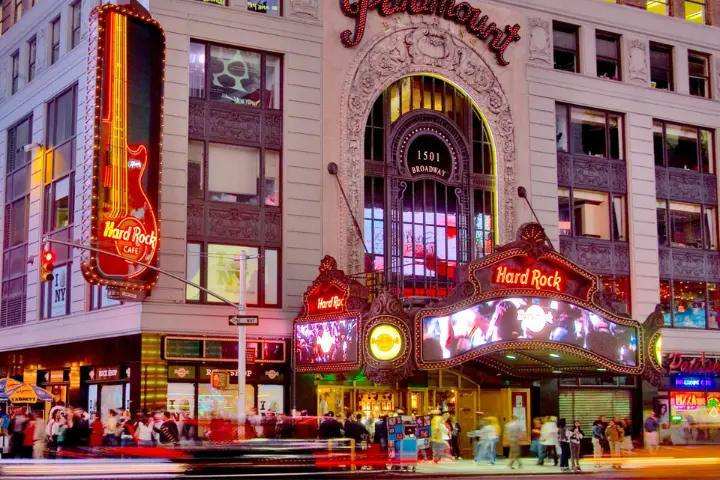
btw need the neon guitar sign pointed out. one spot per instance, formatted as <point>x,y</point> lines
<point>126,159</point>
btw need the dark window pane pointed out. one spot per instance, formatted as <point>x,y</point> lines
<point>707,151</point>
<point>564,60</point>
<point>19,233</point>
<point>565,38</point>
<point>564,210</point>
<point>660,67</point>
<point>607,69</point>
<point>587,129</point>
<point>689,304</point>
<point>658,144</point>
<point>662,222</point>
<point>686,225</point>
<point>682,147</point>
<point>607,47</point>
<point>196,168</point>
<point>65,125</point>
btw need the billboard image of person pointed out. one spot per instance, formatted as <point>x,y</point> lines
<point>509,319</point>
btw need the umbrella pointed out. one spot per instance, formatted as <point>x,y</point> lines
<point>28,394</point>
<point>7,384</point>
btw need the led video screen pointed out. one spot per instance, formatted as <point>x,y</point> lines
<point>448,337</point>
<point>327,342</point>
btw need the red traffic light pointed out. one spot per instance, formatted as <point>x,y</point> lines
<point>48,256</point>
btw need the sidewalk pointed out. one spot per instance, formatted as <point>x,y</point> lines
<point>529,467</point>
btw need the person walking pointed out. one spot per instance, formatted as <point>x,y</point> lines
<point>28,437</point>
<point>96,430</point>
<point>455,438</point>
<point>39,438</point>
<point>563,435</point>
<point>576,435</point>
<point>479,441</point>
<point>439,437</point>
<point>549,440</point>
<point>513,430</point>
<point>491,436</point>
<point>535,446</point>
<point>330,428</point>
<point>598,433</point>
<point>144,432</point>
<point>651,433</point>
<point>110,434</point>
<point>614,435</point>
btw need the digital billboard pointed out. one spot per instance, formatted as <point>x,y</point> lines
<point>499,320</point>
<point>327,342</point>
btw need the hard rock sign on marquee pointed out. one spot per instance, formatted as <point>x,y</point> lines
<point>462,13</point>
<point>127,72</point>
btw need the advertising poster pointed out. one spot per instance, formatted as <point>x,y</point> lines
<point>334,341</point>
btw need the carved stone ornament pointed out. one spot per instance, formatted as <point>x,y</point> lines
<point>387,309</point>
<point>423,47</point>
<point>304,8</point>
<point>540,41</point>
<point>40,47</point>
<point>652,326</point>
<point>637,53</point>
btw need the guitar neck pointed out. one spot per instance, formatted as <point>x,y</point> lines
<point>118,153</point>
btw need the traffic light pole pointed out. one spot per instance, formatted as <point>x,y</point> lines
<point>142,264</point>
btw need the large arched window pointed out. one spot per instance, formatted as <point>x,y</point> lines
<point>429,186</point>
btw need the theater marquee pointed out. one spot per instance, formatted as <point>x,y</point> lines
<point>128,54</point>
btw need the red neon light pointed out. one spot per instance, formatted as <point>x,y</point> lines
<point>531,277</point>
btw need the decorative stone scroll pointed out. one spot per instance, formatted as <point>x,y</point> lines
<point>637,61</point>
<point>540,41</point>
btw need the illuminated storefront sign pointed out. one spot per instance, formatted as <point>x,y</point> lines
<point>530,277</point>
<point>692,382</point>
<point>128,57</point>
<point>462,13</point>
<point>687,401</point>
<point>325,299</point>
<point>333,303</point>
<point>696,365</point>
<point>385,342</point>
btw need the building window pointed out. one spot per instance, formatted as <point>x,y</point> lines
<point>699,72</point>
<point>618,285</point>
<point>60,198</point>
<point>18,10</point>
<point>214,267</point>
<point>32,57</point>
<point>15,248</point>
<point>661,7</point>
<point>695,11</point>
<point>99,298</point>
<point>215,2</point>
<point>375,134</point>
<point>271,7</point>
<point>690,304</point>
<point>236,76</point>
<point>683,146</point>
<point>15,66</point>
<point>687,225</point>
<point>76,16</point>
<point>565,47</point>
<point>591,132</point>
<point>55,38</point>
<point>661,71</point>
<point>589,214</point>
<point>607,46</point>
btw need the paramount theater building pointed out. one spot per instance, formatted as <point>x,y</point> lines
<point>392,137</point>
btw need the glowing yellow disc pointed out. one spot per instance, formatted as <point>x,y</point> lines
<point>386,342</point>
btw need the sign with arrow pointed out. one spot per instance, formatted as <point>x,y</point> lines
<point>244,320</point>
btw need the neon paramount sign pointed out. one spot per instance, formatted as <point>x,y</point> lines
<point>530,277</point>
<point>463,13</point>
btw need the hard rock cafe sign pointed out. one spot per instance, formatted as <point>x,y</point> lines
<point>125,155</point>
<point>461,13</point>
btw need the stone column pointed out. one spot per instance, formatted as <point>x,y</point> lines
<point>677,8</point>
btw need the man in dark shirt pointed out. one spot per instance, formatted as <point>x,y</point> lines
<point>168,431</point>
<point>330,428</point>
<point>381,433</point>
<point>355,429</point>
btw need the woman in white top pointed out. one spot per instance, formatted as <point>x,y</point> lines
<point>144,433</point>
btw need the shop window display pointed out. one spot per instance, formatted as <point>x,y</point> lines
<point>690,304</point>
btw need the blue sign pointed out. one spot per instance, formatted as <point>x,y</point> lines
<point>692,382</point>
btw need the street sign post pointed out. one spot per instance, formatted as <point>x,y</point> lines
<point>244,320</point>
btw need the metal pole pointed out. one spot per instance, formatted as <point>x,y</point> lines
<point>241,345</point>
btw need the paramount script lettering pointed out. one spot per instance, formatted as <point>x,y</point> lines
<point>699,365</point>
<point>335,303</point>
<point>429,169</point>
<point>462,13</point>
<point>529,278</point>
